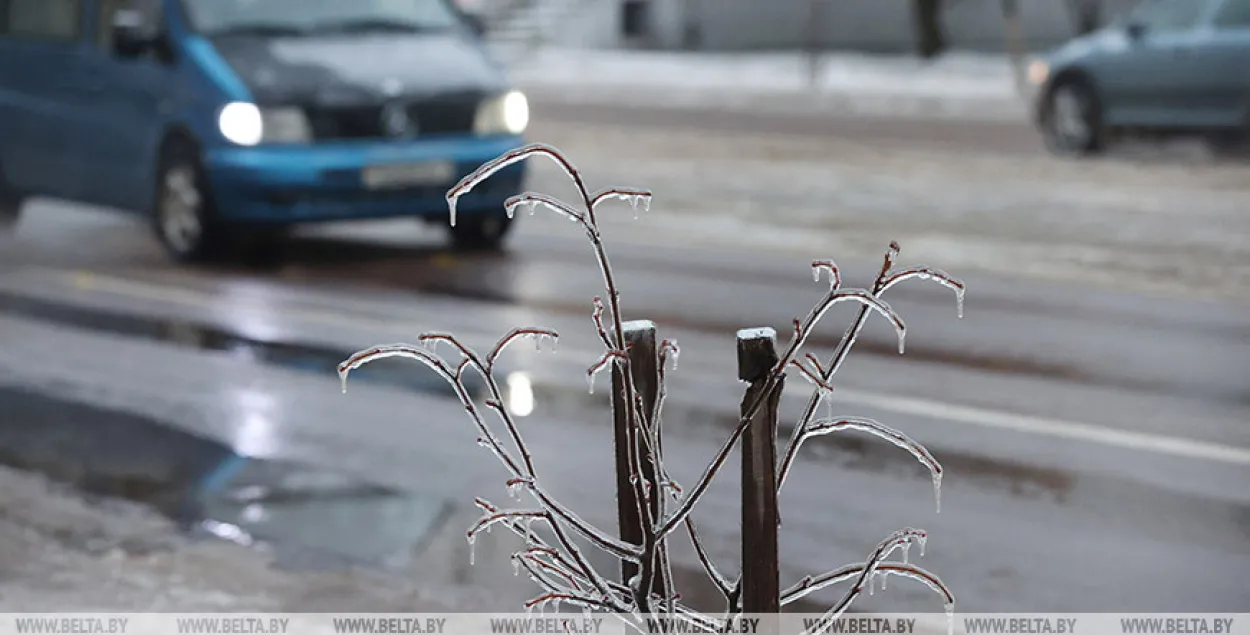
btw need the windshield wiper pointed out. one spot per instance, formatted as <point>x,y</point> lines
<point>371,25</point>
<point>260,29</point>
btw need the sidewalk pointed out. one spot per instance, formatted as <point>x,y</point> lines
<point>960,85</point>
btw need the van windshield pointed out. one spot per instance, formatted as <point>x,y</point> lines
<point>296,17</point>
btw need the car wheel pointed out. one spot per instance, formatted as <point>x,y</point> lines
<point>10,204</point>
<point>183,217</point>
<point>1232,144</point>
<point>480,232</point>
<point>1072,120</point>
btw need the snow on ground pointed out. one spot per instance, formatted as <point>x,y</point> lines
<point>957,84</point>
<point>62,552</point>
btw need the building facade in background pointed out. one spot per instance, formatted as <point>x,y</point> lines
<point>878,26</point>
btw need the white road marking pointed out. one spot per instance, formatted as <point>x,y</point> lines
<point>954,413</point>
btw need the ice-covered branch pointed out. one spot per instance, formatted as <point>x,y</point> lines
<point>601,330</point>
<point>555,599</point>
<point>533,200</point>
<point>827,426</point>
<point>439,366</point>
<point>634,196</point>
<point>835,274</point>
<point>718,578</point>
<point>508,158</point>
<point>595,535</point>
<point>537,334</point>
<point>812,584</point>
<point>929,273</point>
<point>902,539</point>
<point>601,364</point>
<point>863,297</point>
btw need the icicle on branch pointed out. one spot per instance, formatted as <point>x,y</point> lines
<point>539,335</point>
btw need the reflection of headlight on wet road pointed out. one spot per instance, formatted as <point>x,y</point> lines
<point>520,394</point>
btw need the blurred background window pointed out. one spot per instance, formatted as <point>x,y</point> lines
<point>150,9</point>
<point>43,19</point>
<point>1235,14</point>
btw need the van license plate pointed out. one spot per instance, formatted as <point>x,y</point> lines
<point>399,175</point>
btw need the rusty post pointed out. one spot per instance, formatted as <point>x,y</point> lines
<point>761,586</point>
<point>640,339</point>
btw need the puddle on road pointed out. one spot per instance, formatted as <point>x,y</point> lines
<point>295,356</point>
<point>851,451</point>
<point>306,517</point>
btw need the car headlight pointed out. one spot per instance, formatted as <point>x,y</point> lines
<point>508,113</point>
<point>248,124</point>
<point>1038,72</point>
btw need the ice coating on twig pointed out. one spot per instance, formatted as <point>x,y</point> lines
<point>929,273</point>
<point>604,361</point>
<point>812,584</point>
<point>533,199</point>
<point>867,299</point>
<point>634,196</point>
<point>391,350</point>
<point>835,274</point>
<point>538,335</point>
<point>494,165</point>
<point>827,426</point>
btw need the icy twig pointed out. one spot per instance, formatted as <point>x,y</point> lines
<point>812,376</point>
<point>718,578</point>
<point>929,273</point>
<point>835,274</point>
<point>436,363</point>
<point>567,598</point>
<point>582,565</point>
<point>863,297</point>
<point>634,196</point>
<point>595,535</point>
<point>615,355</point>
<point>534,199</point>
<point>811,584</point>
<point>827,426</point>
<point>487,521</point>
<point>538,334</point>
<point>597,317</point>
<point>508,158</point>
<point>897,540</point>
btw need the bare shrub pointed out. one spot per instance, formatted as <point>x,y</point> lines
<point>553,558</point>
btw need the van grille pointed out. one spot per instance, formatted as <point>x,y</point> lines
<point>434,116</point>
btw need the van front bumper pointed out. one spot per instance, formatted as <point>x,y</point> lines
<point>325,182</point>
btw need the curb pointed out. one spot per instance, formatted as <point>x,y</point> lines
<point>802,103</point>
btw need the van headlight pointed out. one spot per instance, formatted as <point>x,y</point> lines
<point>248,124</point>
<point>508,113</point>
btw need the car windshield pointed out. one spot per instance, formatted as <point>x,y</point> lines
<point>296,17</point>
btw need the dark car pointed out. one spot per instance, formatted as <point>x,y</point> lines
<point>1169,67</point>
<point>228,118</point>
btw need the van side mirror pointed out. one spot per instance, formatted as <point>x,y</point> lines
<point>132,36</point>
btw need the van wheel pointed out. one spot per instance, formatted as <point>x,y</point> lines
<point>480,232</point>
<point>183,217</point>
<point>1072,119</point>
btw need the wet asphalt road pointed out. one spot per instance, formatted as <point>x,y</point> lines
<point>1097,442</point>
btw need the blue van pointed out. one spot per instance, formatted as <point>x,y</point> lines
<point>234,119</point>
